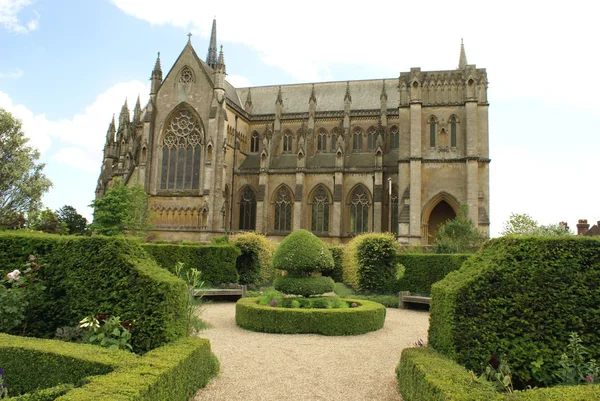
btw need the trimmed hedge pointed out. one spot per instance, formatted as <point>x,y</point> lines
<point>88,275</point>
<point>520,297</point>
<point>305,286</point>
<point>47,394</point>
<point>172,372</point>
<point>422,270</point>
<point>337,252</point>
<point>255,264</point>
<point>369,316</point>
<point>426,375</point>
<point>369,262</point>
<point>302,252</point>
<point>217,262</point>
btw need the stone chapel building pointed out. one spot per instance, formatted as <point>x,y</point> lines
<point>336,158</point>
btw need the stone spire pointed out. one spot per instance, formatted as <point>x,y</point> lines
<point>279,97</point>
<point>156,77</point>
<point>110,133</point>
<point>348,97</point>
<point>137,111</point>
<point>462,62</point>
<point>248,103</point>
<point>312,98</point>
<point>221,62</point>
<point>383,92</point>
<point>124,116</point>
<point>211,57</point>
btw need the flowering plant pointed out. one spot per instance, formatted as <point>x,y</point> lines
<point>575,368</point>
<point>107,331</point>
<point>3,388</point>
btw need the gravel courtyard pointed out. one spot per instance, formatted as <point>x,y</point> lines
<point>307,367</point>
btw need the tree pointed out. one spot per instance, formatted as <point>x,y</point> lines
<point>47,221</point>
<point>22,182</point>
<point>523,224</point>
<point>458,235</point>
<point>76,223</point>
<point>121,209</point>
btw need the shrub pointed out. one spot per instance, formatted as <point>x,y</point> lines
<point>88,275</point>
<point>520,297</point>
<point>255,264</point>
<point>337,252</point>
<point>302,252</point>
<point>369,262</point>
<point>426,375</point>
<point>215,262</point>
<point>172,372</point>
<point>369,316</point>
<point>422,270</point>
<point>305,286</point>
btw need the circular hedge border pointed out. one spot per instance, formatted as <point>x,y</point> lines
<point>368,316</point>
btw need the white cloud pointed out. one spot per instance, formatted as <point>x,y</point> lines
<point>9,16</point>
<point>77,158</point>
<point>16,74</point>
<point>86,132</point>
<point>528,51</point>
<point>238,81</point>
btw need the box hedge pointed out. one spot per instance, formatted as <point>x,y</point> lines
<point>337,252</point>
<point>304,286</point>
<point>255,263</point>
<point>301,253</point>
<point>426,375</point>
<point>174,371</point>
<point>422,270</point>
<point>369,262</point>
<point>88,275</point>
<point>217,262</point>
<point>520,297</point>
<point>369,316</point>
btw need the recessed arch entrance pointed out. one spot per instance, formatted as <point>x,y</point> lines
<point>439,210</point>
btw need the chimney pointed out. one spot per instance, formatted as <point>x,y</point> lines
<point>582,227</point>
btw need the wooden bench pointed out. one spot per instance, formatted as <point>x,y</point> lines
<point>404,298</point>
<point>218,292</point>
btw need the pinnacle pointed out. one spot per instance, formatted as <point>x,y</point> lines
<point>211,57</point>
<point>383,91</point>
<point>313,97</point>
<point>157,64</point>
<point>279,97</point>
<point>462,62</point>
<point>348,96</point>
<point>249,97</point>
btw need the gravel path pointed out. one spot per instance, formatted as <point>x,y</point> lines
<point>307,367</point>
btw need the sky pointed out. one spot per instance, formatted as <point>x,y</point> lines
<point>66,66</point>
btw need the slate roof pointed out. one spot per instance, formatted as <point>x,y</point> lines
<point>330,96</point>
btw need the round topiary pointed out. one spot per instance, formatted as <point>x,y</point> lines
<point>301,253</point>
<point>305,286</point>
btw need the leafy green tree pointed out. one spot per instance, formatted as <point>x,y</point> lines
<point>76,223</point>
<point>122,208</point>
<point>47,221</point>
<point>22,182</point>
<point>458,235</point>
<point>524,224</point>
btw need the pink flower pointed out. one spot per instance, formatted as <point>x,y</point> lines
<point>13,275</point>
<point>590,379</point>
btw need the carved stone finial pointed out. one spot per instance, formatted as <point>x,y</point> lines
<point>157,64</point>
<point>348,97</point>
<point>249,97</point>
<point>279,97</point>
<point>189,35</point>
<point>462,62</point>
<point>312,98</point>
<point>383,92</point>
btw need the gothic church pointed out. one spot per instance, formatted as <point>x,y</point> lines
<point>336,158</point>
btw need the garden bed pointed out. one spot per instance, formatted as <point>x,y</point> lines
<point>367,316</point>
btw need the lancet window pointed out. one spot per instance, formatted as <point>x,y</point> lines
<point>432,132</point>
<point>453,131</point>
<point>320,211</point>
<point>322,141</point>
<point>287,142</point>
<point>254,142</point>
<point>282,216</point>
<point>359,210</point>
<point>394,138</point>
<point>357,140</point>
<point>247,210</point>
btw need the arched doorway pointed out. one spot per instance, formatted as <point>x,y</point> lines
<point>440,214</point>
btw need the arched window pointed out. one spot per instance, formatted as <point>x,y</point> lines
<point>432,131</point>
<point>453,132</point>
<point>180,168</point>
<point>248,210</point>
<point>359,210</point>
<point>254,142</point>
<point>283,210</point>
<point>357,140</point>
<point>394,138</point>
<point>333,142</point>
<point>287,142</point>
<point>371,139</point>
<point>186,76</point>
<point>322,141</point>
<point>320,211</point>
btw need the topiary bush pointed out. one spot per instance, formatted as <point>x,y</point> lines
<point>89,275</point>
<point>216,262</point>
<point>422,270</point>
<point>520,297</point>
<point>255,263</point>
<point>368,316</point>
<point>337,252</point>
<point>370,262</point>
<point>301,253</point>
<point>305,286</point>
